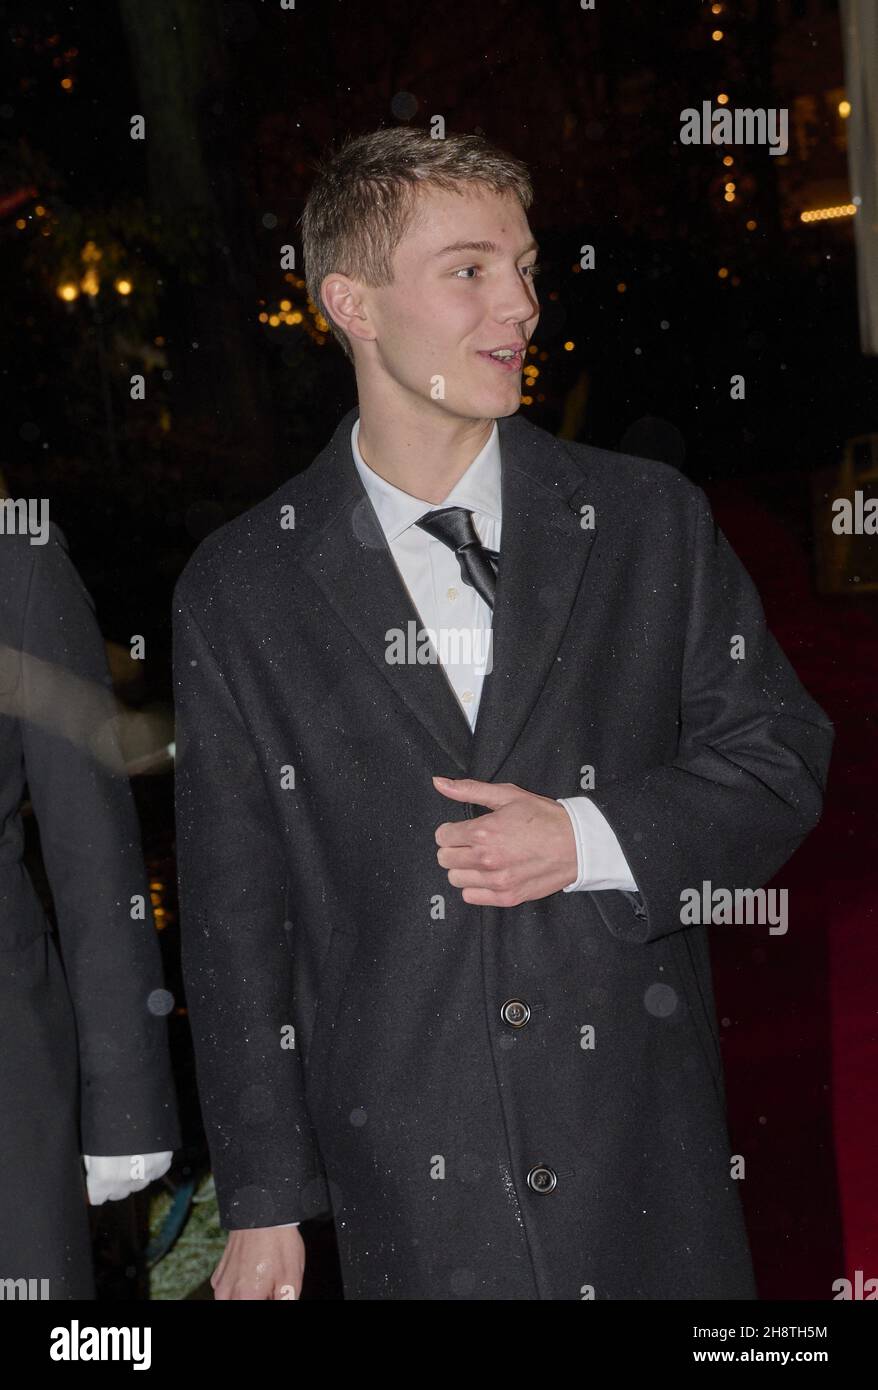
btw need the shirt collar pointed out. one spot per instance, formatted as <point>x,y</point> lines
<point>478,490</point>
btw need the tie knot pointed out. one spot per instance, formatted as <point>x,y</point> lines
<point>452,525</point>
<point>478,566</point>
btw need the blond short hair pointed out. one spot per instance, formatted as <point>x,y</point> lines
<point>363,199</point>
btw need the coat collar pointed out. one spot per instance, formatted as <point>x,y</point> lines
<point>544,552</point>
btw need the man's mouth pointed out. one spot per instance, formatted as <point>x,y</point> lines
<point>507,359</point>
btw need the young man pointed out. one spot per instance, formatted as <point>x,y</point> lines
<point>431,982</point>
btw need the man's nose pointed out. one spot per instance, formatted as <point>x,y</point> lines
<point>516,302</point>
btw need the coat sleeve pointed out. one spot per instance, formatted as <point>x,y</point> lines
<point>91,848</point>
<point>237,965</point>
<point>747,784</point>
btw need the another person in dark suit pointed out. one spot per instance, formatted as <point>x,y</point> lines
<point>84,1064</point>
<point>469,1012</point>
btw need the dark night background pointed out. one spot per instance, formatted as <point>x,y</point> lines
<point>162,256</point>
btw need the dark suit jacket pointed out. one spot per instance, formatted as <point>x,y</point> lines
<point>85,1065</point>
<point>467,1158</point>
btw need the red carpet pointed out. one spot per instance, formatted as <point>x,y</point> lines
<point>799,1013</point>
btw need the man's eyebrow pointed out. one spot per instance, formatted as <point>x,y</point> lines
<point>487,248</point>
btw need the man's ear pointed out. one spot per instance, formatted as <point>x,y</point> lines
<point>344,304</point>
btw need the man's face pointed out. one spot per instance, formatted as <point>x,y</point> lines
<point>446,309</point>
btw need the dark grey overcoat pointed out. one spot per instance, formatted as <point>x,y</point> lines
<point>84,1062</point>
<point>470,1149</point>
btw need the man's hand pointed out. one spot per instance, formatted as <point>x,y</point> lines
<point>524,850</point>
<point>265,1262</point>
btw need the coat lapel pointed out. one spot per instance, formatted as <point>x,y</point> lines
<point>544,551</point>
<point>543,554</point>
<point>353,565</point>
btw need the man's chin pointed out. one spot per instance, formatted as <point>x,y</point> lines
<point>510,409</point>
<point>487,405</point>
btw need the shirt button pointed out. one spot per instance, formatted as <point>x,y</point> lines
<point>451,593</point>
<point>467,697</point>
<point>542,1179</point>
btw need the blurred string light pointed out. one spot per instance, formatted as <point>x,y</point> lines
<point>50,47</point>
<point>730,187</point>
<point>288,315</point>
<point>40,210</point>
<point>157,897</point>
<point>824,214</point>
<point>90,281</point>
<point>530,372</point>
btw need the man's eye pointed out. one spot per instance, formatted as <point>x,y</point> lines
<point>534,270</point>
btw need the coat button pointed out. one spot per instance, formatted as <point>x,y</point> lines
<point>515,1012</point>
<point>542,1179</point>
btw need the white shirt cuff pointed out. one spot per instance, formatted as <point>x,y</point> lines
<point>108,1177</point>
<point>602,865</point>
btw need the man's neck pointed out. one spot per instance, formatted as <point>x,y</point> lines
<point>424,454</point>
